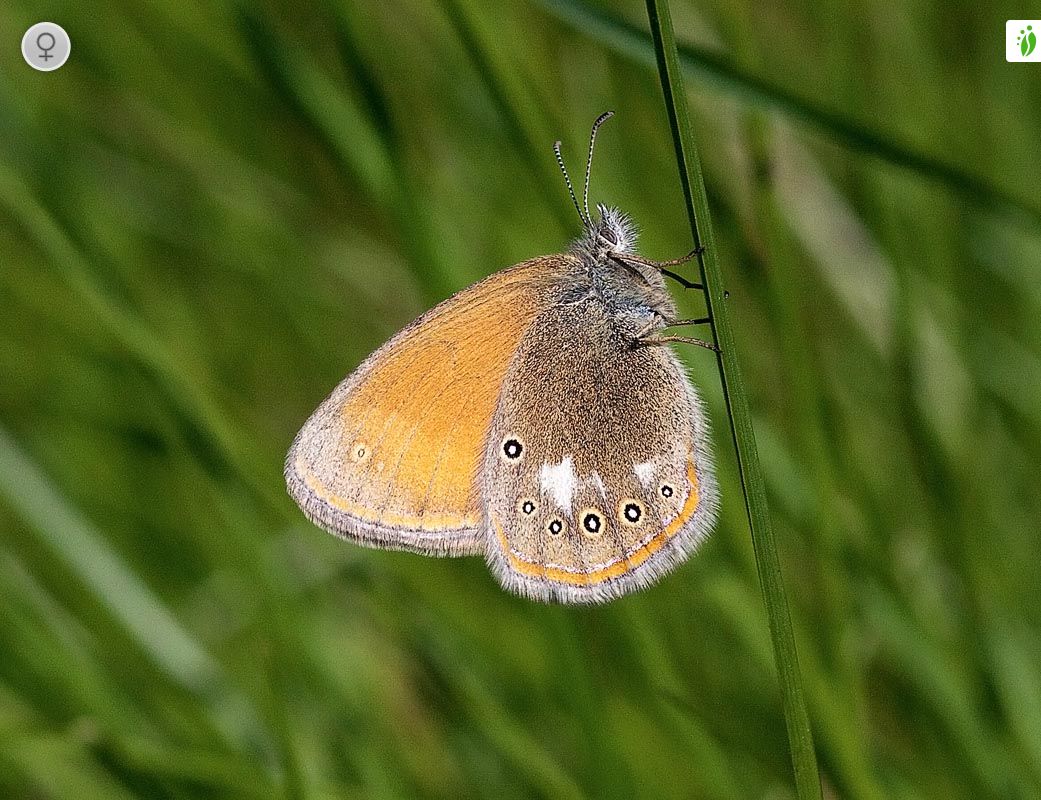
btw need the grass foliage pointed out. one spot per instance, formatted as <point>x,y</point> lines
<point>214,211</point>
<point>739,414</point>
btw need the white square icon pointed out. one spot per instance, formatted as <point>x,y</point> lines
<point>1022,37</point>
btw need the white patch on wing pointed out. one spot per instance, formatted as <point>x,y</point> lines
<point>598,484</point>
<point>645,472</point>
<point>558,481</point>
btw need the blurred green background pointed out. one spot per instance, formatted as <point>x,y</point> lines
<point>214,211</point>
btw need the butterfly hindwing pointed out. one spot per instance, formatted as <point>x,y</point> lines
<point>597,478</point>
<point>390,459</point>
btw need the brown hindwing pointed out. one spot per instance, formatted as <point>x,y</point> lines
<point>613,483</point>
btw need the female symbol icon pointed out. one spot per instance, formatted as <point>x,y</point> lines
<point>46,46</point>
<point>45,49</point>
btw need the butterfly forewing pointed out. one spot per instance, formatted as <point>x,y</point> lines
<point>392,457</point>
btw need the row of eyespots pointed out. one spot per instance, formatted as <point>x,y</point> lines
<point>592,523</point>
<point>630,512</point>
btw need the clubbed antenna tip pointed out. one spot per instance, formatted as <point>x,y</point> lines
<point>589,161</point>
<point>583,210</point>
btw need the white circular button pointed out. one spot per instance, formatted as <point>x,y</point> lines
<point>46,46</point>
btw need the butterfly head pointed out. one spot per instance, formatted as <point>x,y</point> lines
<point>613,231</point>
<point>607,247</point>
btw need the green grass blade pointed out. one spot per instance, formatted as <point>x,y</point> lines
<point>54,765</point>
<point>522,115</point>
<point>629,41</point>
<point>517,746</point>
<point>69,535</point>
<point>198,768</point>
<point>172,374</point>
<point>66,533</point>
<point>352,137</point>
<point>1018,684</point>
<point>800,737</point>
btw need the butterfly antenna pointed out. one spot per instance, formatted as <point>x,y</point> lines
<point>589,161</point>
<point>570,188</point>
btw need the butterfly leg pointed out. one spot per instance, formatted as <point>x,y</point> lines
<point>663,266</point>
<point>681,280</point>
<point>697,251</point>
<point>680,323</point>
<point>653,325</point>
<point>653,340</point>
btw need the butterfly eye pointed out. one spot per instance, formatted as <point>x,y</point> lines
<point>527,506</point>
<point>610,236</point>
<point>555,526</point>
<point>667,490</point>
<point>360,452</point>
<point>630,512</point>
<point>512,448</point>
<point>592,522</point>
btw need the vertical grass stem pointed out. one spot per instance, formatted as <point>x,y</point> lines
<point>800,736</point>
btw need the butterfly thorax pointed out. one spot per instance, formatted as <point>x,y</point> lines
<point>632,290</point>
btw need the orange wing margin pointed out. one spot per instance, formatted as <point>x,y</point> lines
<point>391,458</point>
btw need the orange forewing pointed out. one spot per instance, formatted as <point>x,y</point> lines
<point>391,457</point>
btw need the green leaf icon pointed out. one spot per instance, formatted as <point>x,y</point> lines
<point>1028,44</point>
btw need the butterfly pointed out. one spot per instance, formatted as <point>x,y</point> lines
<point>538,418</point>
